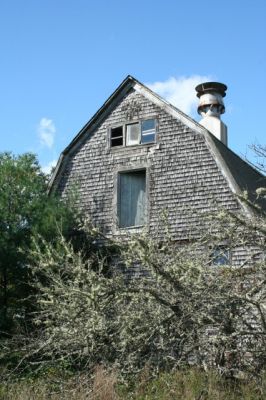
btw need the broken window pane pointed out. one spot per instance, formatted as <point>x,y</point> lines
<point>135,133</point>
<point>116,136</point>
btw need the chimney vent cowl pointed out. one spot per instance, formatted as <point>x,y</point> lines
<point>211,106</point>
<point>211,98</point>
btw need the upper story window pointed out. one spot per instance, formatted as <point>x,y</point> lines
<point>131,198</point>
<point>116,136</point>
<point>132,134</point>
<point>142,132</point>
<point>148,130</point>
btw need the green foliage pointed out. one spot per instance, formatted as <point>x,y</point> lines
<point>25,209</point>
<point>143,302</point>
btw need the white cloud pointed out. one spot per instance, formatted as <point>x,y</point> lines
<point>46,131</point>
<point>46,169</point>
<point>180,91</point>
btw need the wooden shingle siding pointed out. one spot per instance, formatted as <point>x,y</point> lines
<point>183,177</point>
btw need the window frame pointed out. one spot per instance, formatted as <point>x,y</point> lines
<point>223,248</point>
<point>142,134</point>
<point>117,229</point>
<point>124,129</point>
<point>110,135</point>
<point>139,133</point>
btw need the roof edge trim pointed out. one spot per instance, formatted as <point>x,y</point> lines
<point>125,85</point>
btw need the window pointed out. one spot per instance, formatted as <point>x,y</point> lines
<point>220,256</point>
<point>135,133</point>
<point>132,134</point>
<point>148,131</point>
<point>131,198</point>
<point>141,132</point>
<point>116,136</point>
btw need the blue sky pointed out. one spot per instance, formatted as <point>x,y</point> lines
<point>61,59</point>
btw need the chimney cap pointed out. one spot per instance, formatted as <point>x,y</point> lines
<point>209,87</point>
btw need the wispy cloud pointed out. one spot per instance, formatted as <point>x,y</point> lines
<point>180,91</point>
<point>46,169</point>
<point>46,131</point>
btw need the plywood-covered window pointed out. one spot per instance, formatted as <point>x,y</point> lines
<point>131,198</point>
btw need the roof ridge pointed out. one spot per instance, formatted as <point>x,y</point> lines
<point>131,82</point>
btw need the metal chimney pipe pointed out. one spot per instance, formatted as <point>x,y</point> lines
<point>211,106</point>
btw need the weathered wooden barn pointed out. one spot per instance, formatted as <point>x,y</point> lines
<point>139,157</point>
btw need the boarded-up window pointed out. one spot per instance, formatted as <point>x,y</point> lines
<point>132,198</point>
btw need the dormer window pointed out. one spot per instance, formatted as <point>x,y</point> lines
<point>141,132</point>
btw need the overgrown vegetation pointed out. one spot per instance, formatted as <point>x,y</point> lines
<point>158,303</point>
<point>25,210</point>
<point>146,304</point>
<point>179,385</point>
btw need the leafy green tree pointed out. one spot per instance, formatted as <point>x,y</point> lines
<point>25,210</point>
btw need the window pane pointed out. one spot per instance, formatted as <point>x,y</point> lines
<point>221,256</point>
<point>116,136</point>
<point>148,124</point>
<point>132,134</point>
<point>148,138</point>
<point>115,132</point>
<point>148,131</point>
<point>117,142</point>
<point>132,199</point>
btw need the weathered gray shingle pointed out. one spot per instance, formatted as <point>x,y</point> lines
<point>189,171</point>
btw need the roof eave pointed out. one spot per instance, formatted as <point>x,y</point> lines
<point>127,83</point>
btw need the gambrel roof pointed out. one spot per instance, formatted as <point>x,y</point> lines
<point>238,173</point>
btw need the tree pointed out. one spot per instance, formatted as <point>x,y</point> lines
<point>153,301</point>
<point>161,303</point>
<point>259,151</point>
<point>25,208</point>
